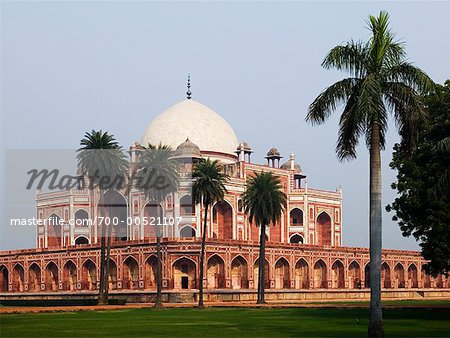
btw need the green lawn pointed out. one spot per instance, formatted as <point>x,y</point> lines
<point>225,322</point>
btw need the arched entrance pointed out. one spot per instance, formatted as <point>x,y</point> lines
<point>296,217</point>
<point>112,275</point>
<point>69,276</point>
<point>150,272</point>
<point>81,218</point>
<point>426,278</point>
<point>187,207</point>
<point>215,273</point>
<point>81,240</point>
<point>54,231</point>
<point>412,276</point>
<point>89,275</point>
<point>297,239</point>
<point>301,274</point>
<point>282,276</point>
<point>184,274</point>
<point>187,232</point>
<point>385,276</point>
<point>114,208</point>
<point>337,275</point>
<point>239,273</point>
<point>34,278</point>
<point>399,273</point>
<point>4,279</point>
<point>354,276</point>
<point>18,278</point>
<point>130,278</point>
<point>152,211</point>
<point>320,275</point>
<point>223,220</point>
<point>367,276</point>
<point>266,274</point>
<point>51,277</point>
<point>324,229</point>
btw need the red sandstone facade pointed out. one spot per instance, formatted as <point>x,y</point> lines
<point>303,250</point>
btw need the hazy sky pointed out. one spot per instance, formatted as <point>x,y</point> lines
<point>69,67</point>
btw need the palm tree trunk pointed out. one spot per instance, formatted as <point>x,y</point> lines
<point>158,302</point>
<point>375,222</point>
<point>108,254</point>
<point>202,260</point>
<point>261,266</point>
<point>101,293</point>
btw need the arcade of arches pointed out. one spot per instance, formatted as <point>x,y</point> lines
<point>134,268</point>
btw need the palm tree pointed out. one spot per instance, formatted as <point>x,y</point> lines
<point>208,187</point>
<point>381,80</point>
<point>157,162</point>
<point>102,160</point>
<point>263,201</point>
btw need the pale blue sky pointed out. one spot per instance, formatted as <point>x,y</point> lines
<point>68,67</point>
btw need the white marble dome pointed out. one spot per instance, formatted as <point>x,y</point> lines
<point>191,120</point>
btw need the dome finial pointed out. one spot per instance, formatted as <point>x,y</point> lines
<point>189,93</point>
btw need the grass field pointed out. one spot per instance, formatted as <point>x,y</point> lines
<point>225,322</point>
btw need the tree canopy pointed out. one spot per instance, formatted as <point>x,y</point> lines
<point>422,207</point>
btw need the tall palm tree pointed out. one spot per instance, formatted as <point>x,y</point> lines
<point>208,187</point>
<point>157,162</point>
<point>381,80</point>
<point>264,201</point>
<point>102,160</point>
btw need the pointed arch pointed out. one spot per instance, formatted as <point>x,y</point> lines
<point>215,273</point>
<point>426,278</point>
<point>223,220</point>
<point>301,274</point>
<point>282,274</point>
<point>399,275</point>
<point>54,233</point>
<point>81,240</point>
<point>18,278</point>
<point>130,278</point>
<point>239,273</point>
<point>367,275</point>
<point>81,218</point>
<point>296,238</point>
<point>112,275</point>
<point>4,278</point>
<point>354,275</point>
<point>69,276</point>
<point>266,273</point>
<point>296,217</point>
<point>412,276</point>
<point>114,207</point>
<point>337,275</point>
<point>184,273</point>
<point>51,276</point>
<point>150,276</point>
<point>34,277</point>
<point>89,275</point>
<point>385,275</point>
<point>324,228</point>
<point>187,206</point>
<point>320,275</point>
<point>187,231</point>
<point>152,210</point>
